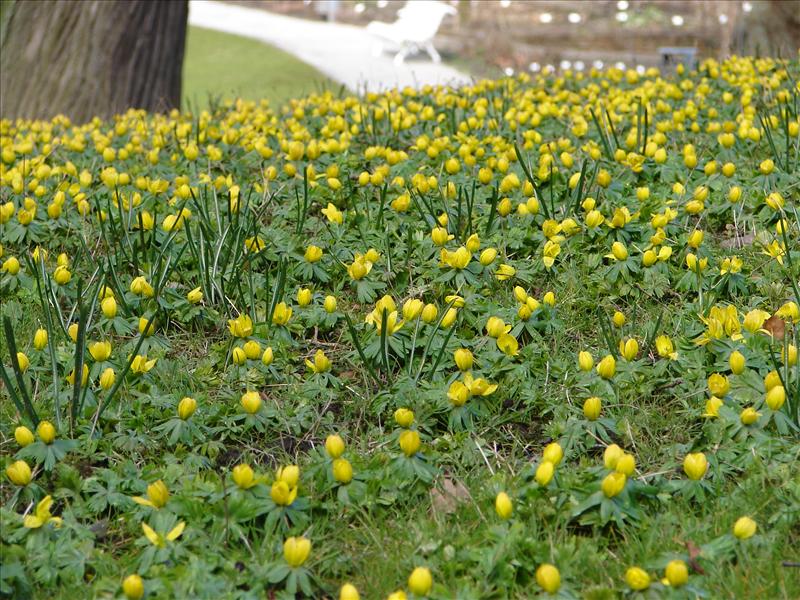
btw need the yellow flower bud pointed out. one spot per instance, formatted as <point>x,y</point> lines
<point>626,464</point>
<point>420,581</point>
<point>304,296</point>
<point>677,573</point>
<point>19,473</point>
<point>186,407</point>
<point>243,476</point>
<point>749,416</point>
<point>109,308</point>
<point>23,435</point>
<point>133,587</point>
<point>107,378</point>
<point>503,506</point>
<point>267,357</point>
<point>637,579</point>
<point>744,528</point>
<point>251,402</point>
<point>195,296</point>
<point>695,465</point>
<point>544,473</point>
<point>330,304</point>
<point>463,359</point>
<point>618,319</point>
<point>40,339</point>
<point>349,592</point>
<point>548,578</point>
<point>592,407</point>
<point>410,442</point>
<point>46,432</point>
<point>404,417</point>
<point>776,397</point>
<point>342,470</point>
<point>296,551</point>
<point>334,446</point>
<point>585,360</point>
<point>607,367</point>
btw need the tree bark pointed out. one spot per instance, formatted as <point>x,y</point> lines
<point>91,57</point>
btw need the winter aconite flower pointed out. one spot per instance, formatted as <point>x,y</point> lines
<point>591,408</point>
<point>420,581</point>
<point>159,540</point>
<point>46,432</point>
<point>296,551</point>
<point>744,528</point>
<point>321,363</point>
<point>24,436</point>
<point>157,495</point>
<point>637,578</point>
<point>613,484</point>
<point>548,578</point>
<point>19,473</point>
<point>133,587</point>
<point>334,446</point>
<point>695,465</point>
<point>676,573</point>
<point>241,326</point>
<point>409,442</point>
<point>41,516</point>
<point>607,367</point>
<point>503,505</point>
<point>251,402</point>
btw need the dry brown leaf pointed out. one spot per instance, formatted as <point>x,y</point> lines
<point>776,327</point>
<point>446,498</point>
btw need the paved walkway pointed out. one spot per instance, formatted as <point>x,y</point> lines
<point>342,52</point>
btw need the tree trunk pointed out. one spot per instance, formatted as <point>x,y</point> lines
<point>91,57</point>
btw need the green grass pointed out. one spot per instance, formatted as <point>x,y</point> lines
<point>229,66</point>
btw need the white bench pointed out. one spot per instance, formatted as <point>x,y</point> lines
<point>413,31</point>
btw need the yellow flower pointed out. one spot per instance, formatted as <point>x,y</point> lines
<point>133,587</point>
<point>718,385</point>
<point>550,251</point>
<point>749,416</point>
<point>24,436</point>
<point>282,494</point>
<point>409,442</point>
<point>713,405</point>
<point>342,470</point>
<point>613,484</point>
<point>544,473</point>
<point>321,363</point>
<point>637,579</point>
<point>607,367</point>
<point>329,304</point>
<point>348,592</point>
<point>412,309</point>
<point>463,359</point>
<point>458,259</point>
<point>676,573</point>
<point>585,360</point>
<point>289,474</point>
<point>420,581</point>
<point>313,254</point>
<point>46,432</point>
<point>157,495</point>
<point>241,326</point>
<point>333,214</point>
<point>665,348</point>
<point>19,473</point>
<point>304,296</point>
<point>744,528</point>
<point>107,378</point>
<point>334,445</point>
<point>243,476</point>
<point>41,516</point>
<point>252,349</point>
<point>508,344</point>
<point>505,272</point>
<point>592,407</point>
<point>251,402</point>
<point>458,393</point>
<point>503,506</point>
<point>548,578</point>
<point>40,339</point>
<point>695,465</point>
<point>404,417</point>
<point>359,268</point>
<point>139,365</point>
<point>281,314</point>
<point>159,540</point>
<point>754,320</point>
<point>267,357</point>
<point>100,351</point>
<point>776,397</point>
<point>629,349</point>
<point>618,251</point>
<point>296,550</point>
<point>194,296</point>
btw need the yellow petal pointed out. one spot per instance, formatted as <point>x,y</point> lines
<point>33,522</point>
<point>151,535</point>
<point>143,501</point>
<point>176,531</point>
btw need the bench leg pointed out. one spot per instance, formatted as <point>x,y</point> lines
<point>432,52</point>
<point>400,57</point>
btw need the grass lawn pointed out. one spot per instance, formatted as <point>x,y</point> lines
<point>219,64</point>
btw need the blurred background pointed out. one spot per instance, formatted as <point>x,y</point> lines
<point>162,54</point>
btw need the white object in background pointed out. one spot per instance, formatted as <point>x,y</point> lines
<point>416,25</point>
